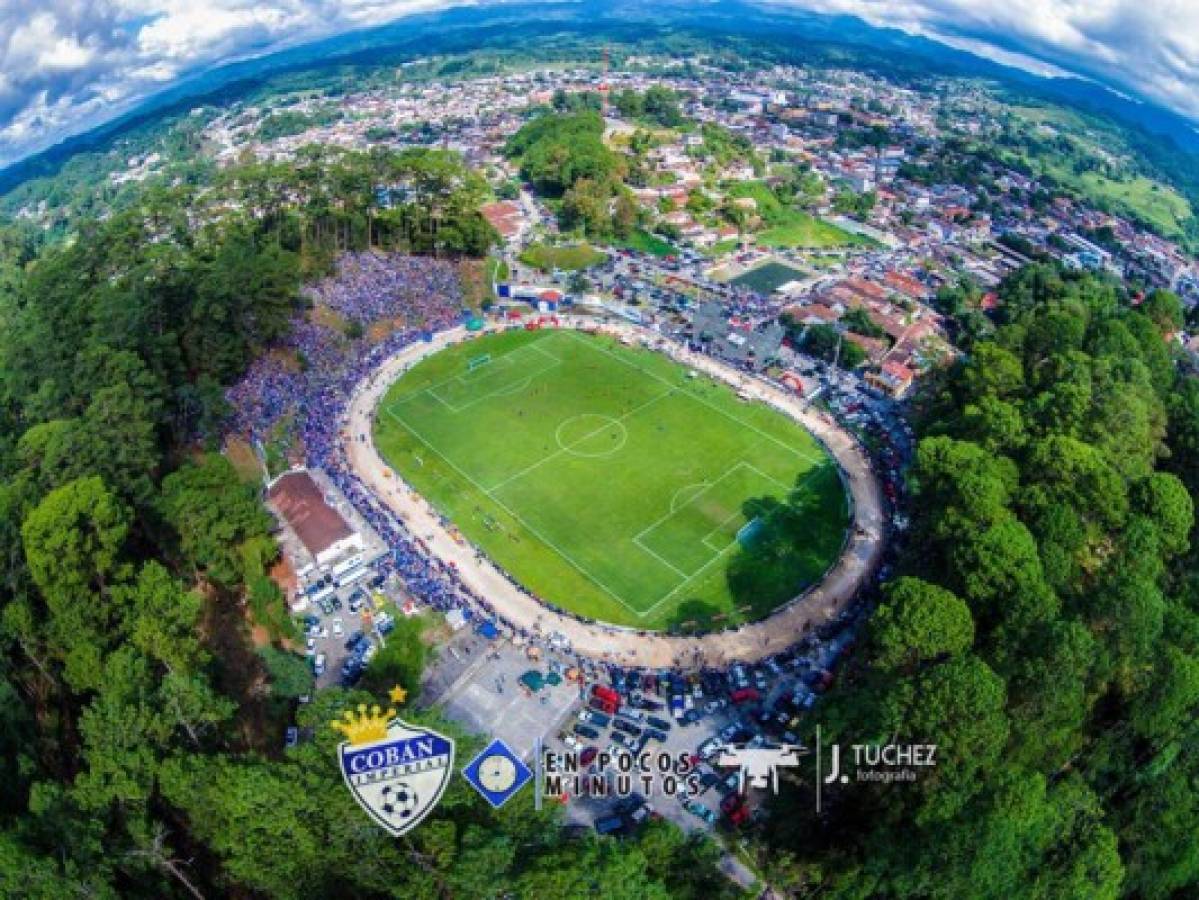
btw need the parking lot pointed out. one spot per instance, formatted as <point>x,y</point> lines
<point>477,683</point>
<point>773,698</point>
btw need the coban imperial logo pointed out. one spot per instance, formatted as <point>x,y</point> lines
<point>397,772</point>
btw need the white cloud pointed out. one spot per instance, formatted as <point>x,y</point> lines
<point>1147,47</point>
<point>66,65</point>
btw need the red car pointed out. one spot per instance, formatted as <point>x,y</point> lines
<point>733,806</point>
<point>744,695</point>
<point>606,697</point>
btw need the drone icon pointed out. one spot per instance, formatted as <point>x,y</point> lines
<point>758,765</point>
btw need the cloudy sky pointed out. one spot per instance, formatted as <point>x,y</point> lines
<point>66,65</point>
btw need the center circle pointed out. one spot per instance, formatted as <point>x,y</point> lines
<point>591,435</point>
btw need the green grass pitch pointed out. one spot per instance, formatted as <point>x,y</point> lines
<point>610,482</point>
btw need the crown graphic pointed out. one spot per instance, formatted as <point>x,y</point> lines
<point>365,726</point>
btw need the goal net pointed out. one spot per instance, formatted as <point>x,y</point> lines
<point>749,531</point>
<point>478,361</point>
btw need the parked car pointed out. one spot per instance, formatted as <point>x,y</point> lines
<point>595,717</point>
<point>699,811</point>
<point>338,630</point>
<point>292,737</point>
<point>318,665</point>
<point>655,722</point>
<point>627,727</point>
<point>609,825</point>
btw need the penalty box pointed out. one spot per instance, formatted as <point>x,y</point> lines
<point>499,376</point>
<point>705,519</point>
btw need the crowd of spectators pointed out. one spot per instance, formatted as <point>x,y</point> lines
<point>370,286</point>
<point>310,376</point>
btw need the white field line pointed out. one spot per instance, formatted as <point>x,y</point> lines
<point>565,556</point>
<point>727,472</point>
<point>660,559</point>
<point>506,390</point>
<point>727,415</point>
<point>733,543</point>
<point>567,448</point>
<point>523,348</point>
<point>706,539</point>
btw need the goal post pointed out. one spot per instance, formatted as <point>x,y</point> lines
<point>478,361</point>
<point>750,530</point>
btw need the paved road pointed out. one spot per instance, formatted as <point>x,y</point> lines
<point>747,643</point>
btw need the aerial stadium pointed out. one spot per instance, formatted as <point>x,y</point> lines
<point>611,479</point>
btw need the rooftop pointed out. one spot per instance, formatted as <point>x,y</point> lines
<point>300,502</point>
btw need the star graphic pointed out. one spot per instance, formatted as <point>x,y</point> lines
<point>397,694</point>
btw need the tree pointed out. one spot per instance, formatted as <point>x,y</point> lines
<point>73,542</point>
<point>992,370</point>
<point>401,660</point>
<point>1167,712</point>
<point>920,622</point>
<point>1164,308</point>
<point>214,515</point>
<point>1163,498</point>
<point>290,675</point>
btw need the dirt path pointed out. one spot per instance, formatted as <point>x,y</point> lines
<point>749,642</point>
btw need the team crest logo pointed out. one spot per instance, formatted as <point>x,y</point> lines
<point>396,772</point>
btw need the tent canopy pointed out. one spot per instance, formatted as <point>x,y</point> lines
<point>532,680</point>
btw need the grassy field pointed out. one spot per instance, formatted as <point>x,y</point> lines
<point>1121,189</point>
<point>784,226</point>
<point>1161,206</point>
<point>611,483</point>
<point>644,242</point>
<point>804,230</point>
<point>720,248</point>
<point>567,258</point>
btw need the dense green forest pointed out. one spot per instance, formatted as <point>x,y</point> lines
<point>1043,630</point>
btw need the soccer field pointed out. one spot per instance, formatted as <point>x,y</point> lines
<point>609,482</point>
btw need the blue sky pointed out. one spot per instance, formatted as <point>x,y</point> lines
<point>66,65</point>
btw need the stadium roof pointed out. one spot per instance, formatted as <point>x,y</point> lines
<point>298,499</point>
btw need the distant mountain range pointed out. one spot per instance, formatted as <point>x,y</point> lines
<point>832,39</point>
